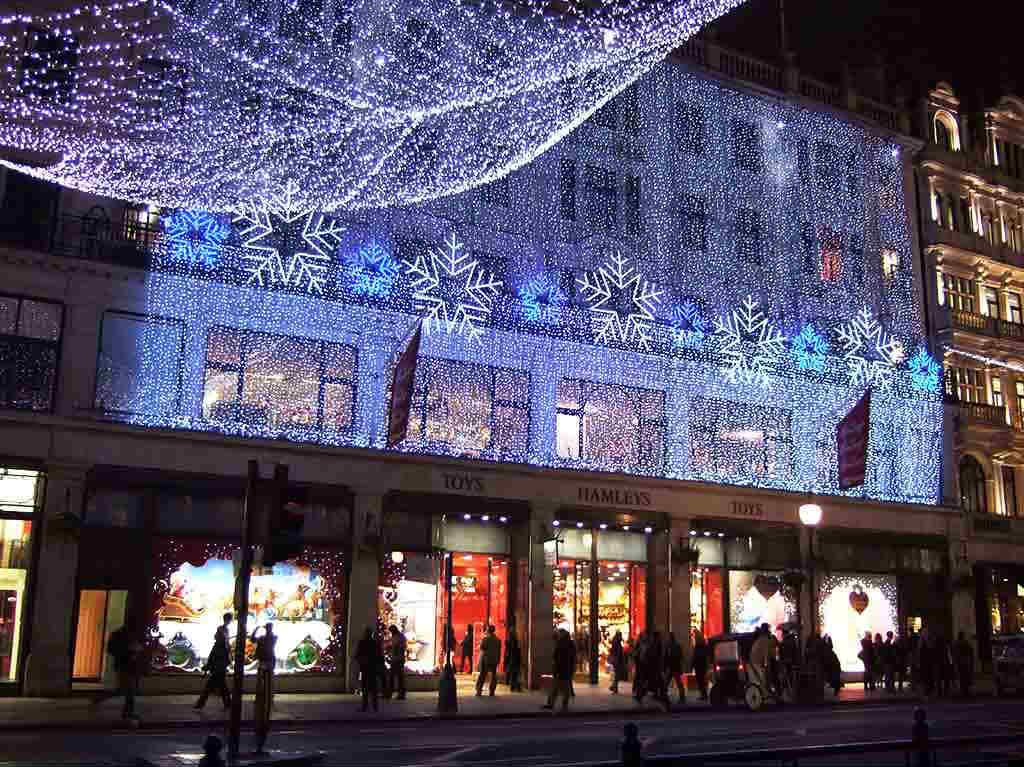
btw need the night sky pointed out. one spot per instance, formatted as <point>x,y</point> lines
<point>976,45</point>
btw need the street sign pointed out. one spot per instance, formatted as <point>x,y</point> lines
<point>401,388</point>
<point>852,443</point>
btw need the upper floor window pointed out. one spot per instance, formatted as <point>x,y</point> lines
<point>631,200</point>
<point>746,146</point>
<point>972,486</point>
<point>567,189</point>
<point>831,254</point>
<point>956,292</point>
<point>826,160</point>
<point>1010,490</point>
<point>990,303</point>
<point>690,128</point>
<point>30,332</point>
<point>498,194</point>
<point>278,382</point>
<point>965,384</point>
<point>139,365</point>
<point>48,65</point>
<point>735,441</point>
<point>890,264</point>
<point>611,424</point>
<point>945,131</point>
<point>1013,307</point>
<point>470,409</point>
<point>988,227</point>
<point>608,115</point>
<point>1019,391</point>
<point>141,224</point>
<point>602,194</point>
<point>748,235</point>
<point>693,222</point>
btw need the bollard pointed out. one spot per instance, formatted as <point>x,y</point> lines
<point>920,738</point>
<point>632,750</point>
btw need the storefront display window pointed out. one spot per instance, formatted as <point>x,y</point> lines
<point>756,598</point>
<point>15,536</point>
<point>479,596</point>
<point>706,602</point>
<point>621,604</point>
<point>303,598</point>
<point>850,606</point>
<point>410,596</point>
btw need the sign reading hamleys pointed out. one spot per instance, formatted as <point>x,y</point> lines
<point>852,442</point>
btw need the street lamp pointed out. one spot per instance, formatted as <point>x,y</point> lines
<point>810,514</point>
<point>810,517</point>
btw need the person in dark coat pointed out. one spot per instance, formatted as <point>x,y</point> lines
<point>467,651</point>
<point>398,652</point>
<point>900,657</point>
<point>699,663</point>
<point>943,660</point>
<point>617,657</point>
<point>833,669</point>
<point>889,661</point>
<point>924,663</point>
<point>654,669</point>
<point>963,658</point>
<point>639,667</point>
<point>126,649</point>
<point>674,667</point>
<point>216,666</point>
<point>513,659</point>
<point>562,668</point>
<point>867,657</point>
<point>369,657</point>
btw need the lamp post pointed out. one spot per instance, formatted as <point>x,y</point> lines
<point>810,518</point>
<point>447,691</point>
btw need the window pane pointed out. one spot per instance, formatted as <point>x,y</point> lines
<point>511,429</point>
<point>129,377</point>
<point>735,441</point>
<point>338,402</point>
<point>40,320</point>
<point>15,550</point>
<point>610,425</point>
<point>459,406</point>
<point>568,435</point>
<point>220,396</point>
<point>8,314</point>
<point>339,362</point>
<point>569,394</point>
<point>512,386</point>
<point>28,372</point>
<point>224,346</point>
<point>282,380</point>
<point>18,490</point>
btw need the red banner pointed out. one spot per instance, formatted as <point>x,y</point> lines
<point>401,389</point>
<point>852,440</point>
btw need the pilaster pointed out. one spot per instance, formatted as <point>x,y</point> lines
<point>679,574</point>
<point>540,637</point>
<point>364,575</point>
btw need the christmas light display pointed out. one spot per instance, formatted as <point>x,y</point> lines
<point>372,271</point>
<point>728,357</point>
<point>925,372</point>
<point>851,606</point>
<point>196,237</point>
<point>213,103</point>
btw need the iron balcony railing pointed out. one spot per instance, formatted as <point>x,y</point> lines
<point>980,413</point>
<point>994,327</point>
<point>94,238</point>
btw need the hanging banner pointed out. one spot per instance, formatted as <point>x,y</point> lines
<point>852,442</point>
<point>401,388</point>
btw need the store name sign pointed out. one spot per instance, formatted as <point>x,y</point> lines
<point>610,496</point>
<point>746,509</point>
<point>466,483</point>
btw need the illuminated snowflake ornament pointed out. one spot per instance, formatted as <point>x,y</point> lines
<point>925,373</point>
<point>810,349</point>
<point>195,237</point>
<point>543,300</point>
<point>750,344</point>
<point>371,271</point>
<point>689,326</point>
<point>871,354</point>
<point>285,244</point>
<point>621,303</point>
<point>451,291</point>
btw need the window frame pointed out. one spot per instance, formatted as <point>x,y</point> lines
<point>319,427</point>
<point>693,222</point>
<point>1009,491</point>
<point>746,139</point>
<point>748,231</point>
<point>57,346</point>
<point>980,505</point>
<point>711,427</point>
<point>603,197</point>
<point>691,133</point>
<point>961,380</point>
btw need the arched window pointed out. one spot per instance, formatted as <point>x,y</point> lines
<point>946,133</point>
<point>972,485</point>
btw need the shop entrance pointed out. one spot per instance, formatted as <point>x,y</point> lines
<point>100,613</point>
<point>480,587</point>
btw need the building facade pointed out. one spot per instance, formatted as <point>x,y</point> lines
<point>971,202</point>
<point>635,353</point>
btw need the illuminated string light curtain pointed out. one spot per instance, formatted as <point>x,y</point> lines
<point>360,103</point>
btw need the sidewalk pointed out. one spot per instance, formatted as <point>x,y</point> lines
<point>173,711</point>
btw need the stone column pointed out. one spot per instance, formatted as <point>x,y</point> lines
<point>679,580</point>
<point>660,583</point>
<point>364,575</point>
<point>539,639</point>
<point>51,632</point>
<point>962,612</point>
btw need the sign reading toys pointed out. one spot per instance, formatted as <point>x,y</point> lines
<point>852,441</point>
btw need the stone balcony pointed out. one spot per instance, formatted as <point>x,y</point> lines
<point>933,234</point>
<point>970,322</point>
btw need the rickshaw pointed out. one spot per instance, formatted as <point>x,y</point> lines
<point>730,654</point>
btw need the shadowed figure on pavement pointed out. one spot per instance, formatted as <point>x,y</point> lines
<point>490,657</point>
<point>216,666</point>
<point>264,683</point>
<point>369,658</point>
<point>126,649</point>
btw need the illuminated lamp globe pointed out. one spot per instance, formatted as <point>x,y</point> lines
<point>810,514</point>
<point>397,557</point>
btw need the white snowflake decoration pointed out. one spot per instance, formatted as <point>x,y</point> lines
<point>451,291</point>
<point>871,354</point>
<point>286,244</point>
<point>751,345</point>
<point>621,303</point>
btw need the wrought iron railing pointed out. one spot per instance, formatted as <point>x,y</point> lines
<point>94,238</point>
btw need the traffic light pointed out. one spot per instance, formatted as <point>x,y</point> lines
<point>287,516</point>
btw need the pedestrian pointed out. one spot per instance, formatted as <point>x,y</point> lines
<point>900,653</point>
<point>878,656</point>
<point>639,667</point>
<point>889,661</point>
<point>867,657</point>
<point>216,666</point>
<point>617,657</point>
<point>398,652</point>
<point>963,656</point>
<point>126,649</point>
<point>452,646</point>
<point>368,658</point>
<point>674,667</point>
<point>762,653</point>
<point>632,748</point>
<point>513,659</point>
<point>654,669</point>
<point>833,670</point>
<point>563,667</point>
<point>490,657</point>
<point>943,659</point>
<point>467,650</point>
<point>920,738</point>
<point>924,664</point>
<point>266,660</point>
<point>699,663</point>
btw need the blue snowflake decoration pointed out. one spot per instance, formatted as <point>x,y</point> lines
<point>371,271</point>
<point>689,326</point>
<point>924,372</point>
<point>810,349</point>
<point>196,237</point>
<point>542,300</point>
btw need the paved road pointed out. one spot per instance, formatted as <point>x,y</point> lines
<point>543,741</point>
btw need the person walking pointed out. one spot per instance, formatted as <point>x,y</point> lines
<point>900,653</point>
<point>126,649</point>
<point>368,658</point>
<point>963,657</point>
<point>266,660</point>
<point>762,653</point>
<point>867,657</point>
<point>563,667</point>
<point>674,667</point>
<point>216,666</point>
<point>943,659</point>
<point>490,657</point>
<point>924,664</point>
<point>617,657</point>
<point>699,663</point>
<point>878,656</point>
<point>639,667</point>
<point>889,661</point>
<point>513,659</point>
<point>832,669</point>
<point>467,650</point>
<point>398,652</point>
<point>654,669</point>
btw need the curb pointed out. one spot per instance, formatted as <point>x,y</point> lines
<point>186,724</point>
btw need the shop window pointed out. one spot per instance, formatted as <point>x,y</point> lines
<point>279,382</point>
<point>571,605</point>
<point>19,490</point>
<point>706,601</point>
<point>965,384</point>
<point>759,597</point>
<point>194,585</point>
<point>100,613</point>
<point>139,365</point>
<point>615,425</point>
<point>736,441</point>
<point>411,596</point>
<point>1010,490</point>
<point>850,606</point>
<point>480,593</point>
<point>30,332</point>
<point>15,551</point>
<point>972,486</point>
<point>470,409</point>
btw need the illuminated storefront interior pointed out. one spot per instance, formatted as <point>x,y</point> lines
<point>19,493</point>
<point>851,606</point>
